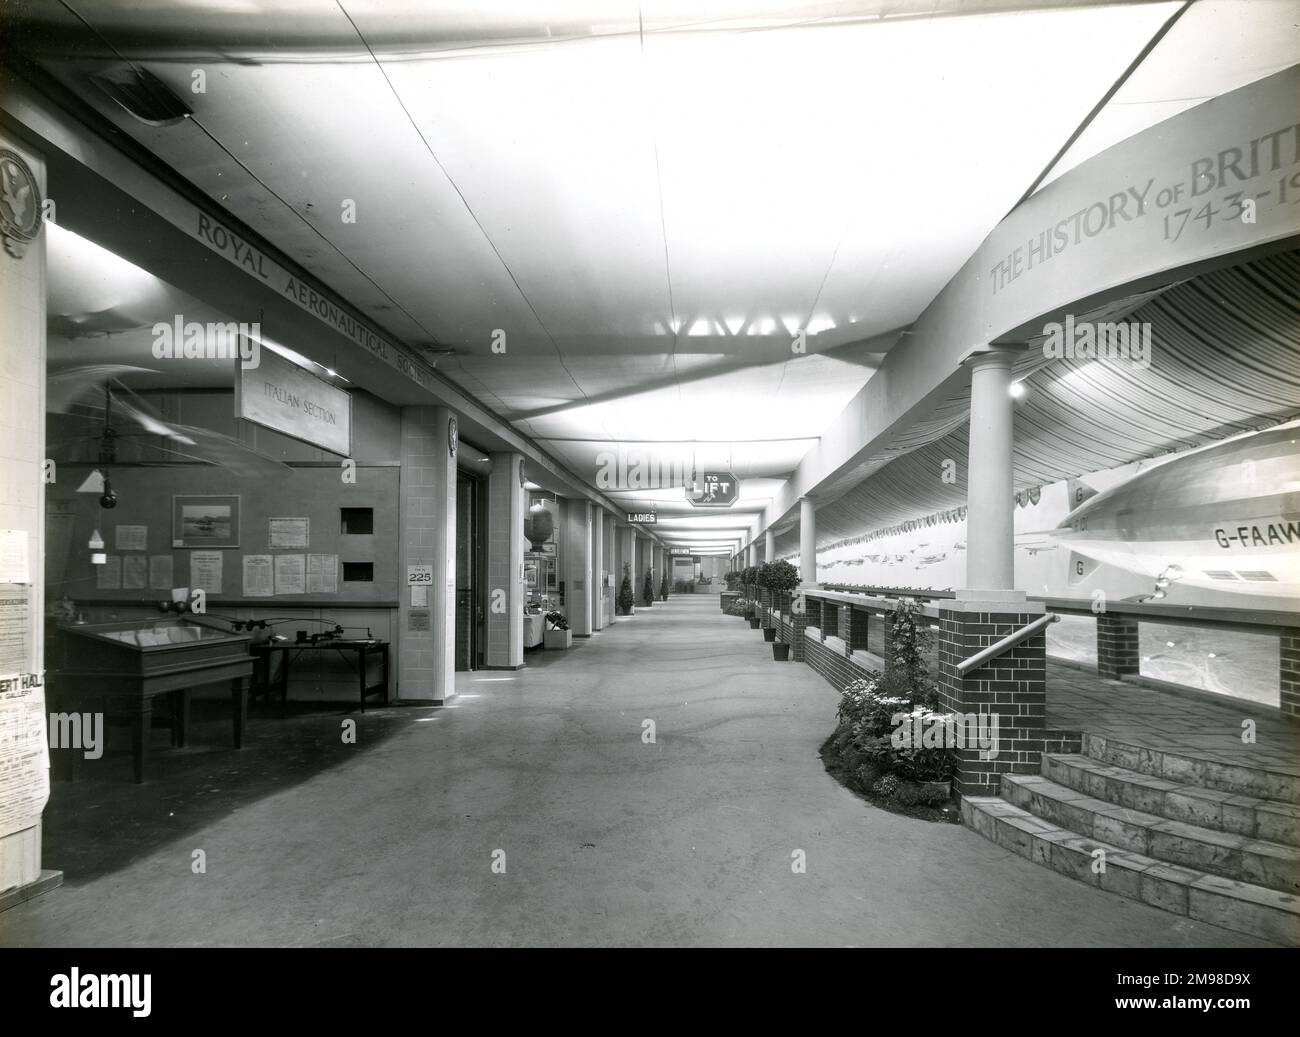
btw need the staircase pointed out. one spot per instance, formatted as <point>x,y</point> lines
<point>1215,842</point>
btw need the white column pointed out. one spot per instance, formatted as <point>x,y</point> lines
<point>807,542</point>
<point>22,509</point>
<point>753,553</point>
<point>990,533</point>
<point>597,569</point>
<point>427,488</point>
<point>504,630</point>
<point>610,564</point>
<point>657,566</point>
<point>769,547</point>
<point>577,566</point>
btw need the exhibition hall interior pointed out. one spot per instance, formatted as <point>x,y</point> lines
<point>664,474</point>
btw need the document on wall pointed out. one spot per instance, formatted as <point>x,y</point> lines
<point>206,571</point>
<point>135,572</point>
<point>24,752</point>
<point>160,572</point>
<point>322,574</point>
<point>289,532</point>
<point>13,556</point>
<point>108,577</point>
<point>289,574</point>
<point>131,538</point>
<point>15,629</point>
<point>259,576</point>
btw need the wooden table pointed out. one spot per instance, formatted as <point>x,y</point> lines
<point>266,650</point>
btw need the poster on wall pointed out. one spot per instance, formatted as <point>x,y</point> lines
<point>135,572</point>
<point>24,752</point>
<point>285,533</point>
<point>160,572</point>
<point>290,572</point>
<point>205,520</point>
<point>108,577</point>
<point>258,576</point>
<point>13,556</point>
<point>131,538</point>
<point>322,574</point>
<point>15,629</point>
<point>206,571</point>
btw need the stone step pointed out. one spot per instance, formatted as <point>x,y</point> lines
<point>1260,782</point>
<point>1255,818</point>
<point>1233,856</point>
<point>1240,906</point>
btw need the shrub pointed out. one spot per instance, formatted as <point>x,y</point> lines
<point>626,598</point>
<point>866,776</point>
<point>886,786</point>
<point>778,576</point>
<point>663,586</point>
<point>648,588</point>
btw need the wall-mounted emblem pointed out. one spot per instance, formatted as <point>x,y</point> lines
<point>20,203</point>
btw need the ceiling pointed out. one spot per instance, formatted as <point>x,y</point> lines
<point>694,227</point>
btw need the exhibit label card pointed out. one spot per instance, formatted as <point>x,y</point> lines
<point>131,538</point>
<point>288,532</point>
<point>160,572</point>
<point>289,574</point>
<point>205,571</point>
<point>258,576</point>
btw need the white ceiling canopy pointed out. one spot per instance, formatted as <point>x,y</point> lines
<point>680,228</point>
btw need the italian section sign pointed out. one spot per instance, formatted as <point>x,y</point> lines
<point>284,397</point>
<point>717,490</point>
<point>642,518</point>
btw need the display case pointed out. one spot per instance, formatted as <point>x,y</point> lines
<point>120,668</point>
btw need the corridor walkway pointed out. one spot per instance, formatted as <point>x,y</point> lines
<point>607,840</point>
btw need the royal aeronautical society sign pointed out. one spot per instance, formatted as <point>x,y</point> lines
<point>282,396</point>
<point>642,518</point>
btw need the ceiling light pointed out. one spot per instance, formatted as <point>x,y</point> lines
<point>1017,390</point>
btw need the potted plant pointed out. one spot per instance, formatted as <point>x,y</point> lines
<point>626,597</point>
<point>779,578</point>
<point>558,634</point>
<point>663,586</point>
<point>648,589</point>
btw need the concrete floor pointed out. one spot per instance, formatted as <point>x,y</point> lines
<point>607,840</point>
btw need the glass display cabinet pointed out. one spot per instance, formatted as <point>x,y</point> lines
<point>120,668</point>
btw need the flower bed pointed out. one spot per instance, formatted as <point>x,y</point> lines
<point>875,750</point>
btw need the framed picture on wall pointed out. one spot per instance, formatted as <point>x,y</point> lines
<point>205,520</point>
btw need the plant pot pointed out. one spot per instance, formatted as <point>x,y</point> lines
<point>558,639</point>
<point>769,633</point>
<point>753,622</point>
<point>780,652</point>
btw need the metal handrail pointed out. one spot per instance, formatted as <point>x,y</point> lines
<point>1010,641</point>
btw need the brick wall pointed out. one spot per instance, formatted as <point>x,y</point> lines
<point>1014,686</point>
<point>1117,645</point>
<point>828,659</point>
<point>1289,673</point>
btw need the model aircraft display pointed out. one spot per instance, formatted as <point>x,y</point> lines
<point>1224,517</point>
